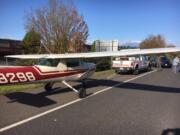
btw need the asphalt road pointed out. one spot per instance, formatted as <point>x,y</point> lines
<point>145,106</point>
<point>17,106</point>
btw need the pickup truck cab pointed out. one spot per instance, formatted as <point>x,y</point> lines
<point>132,64</point>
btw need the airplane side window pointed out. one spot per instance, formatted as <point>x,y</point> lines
<point>43,62</point>
<point>49,62</point>
<point>54,62</point>
<point>72,63</point>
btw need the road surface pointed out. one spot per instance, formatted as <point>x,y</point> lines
<point>148,105</point>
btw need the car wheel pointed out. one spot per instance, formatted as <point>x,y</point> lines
<point>136,71</point>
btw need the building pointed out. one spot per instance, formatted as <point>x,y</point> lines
<point>87,47</point>
<point>111,45</point>
<point>10,47</point>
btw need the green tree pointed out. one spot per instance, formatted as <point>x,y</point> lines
<point>93,46</point>
<point>31,45</point>
<point>31,42</point>
<point>153,42</point>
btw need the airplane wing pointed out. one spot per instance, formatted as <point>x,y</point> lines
<point>28,56</point>
<point>128,52</point>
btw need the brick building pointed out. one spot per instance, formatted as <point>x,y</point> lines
<point>10,47</point>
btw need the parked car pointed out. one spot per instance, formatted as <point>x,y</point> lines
<point>133,64</point>
<point>164,61</point>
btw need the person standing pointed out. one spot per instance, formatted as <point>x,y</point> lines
<point>175,64</point>
<point>178,66</point>
<point>159,63</point>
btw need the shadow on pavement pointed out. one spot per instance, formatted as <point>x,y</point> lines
<point>134,86</point>
<point>41,99</point>
<point>175,131</point>
<point>147,87</point>
<point>37,100</point>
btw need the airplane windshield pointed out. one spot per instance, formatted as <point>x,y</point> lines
<point>49,62</point>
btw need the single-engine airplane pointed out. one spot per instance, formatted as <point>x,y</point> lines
<point>54,68</point>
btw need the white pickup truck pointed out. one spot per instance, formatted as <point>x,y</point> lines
<point>132,64</point>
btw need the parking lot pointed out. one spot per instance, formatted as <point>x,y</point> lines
<point>123,104</point>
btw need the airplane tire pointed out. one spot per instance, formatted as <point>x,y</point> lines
<point>48,87</point>
<point>82,92</point>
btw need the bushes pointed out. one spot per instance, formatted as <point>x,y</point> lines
<point>101,63</point>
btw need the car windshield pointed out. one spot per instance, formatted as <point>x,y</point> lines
<point>164,59</point>
<point>132,58</point>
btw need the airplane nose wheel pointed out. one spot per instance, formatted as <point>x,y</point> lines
<point>82,91</point>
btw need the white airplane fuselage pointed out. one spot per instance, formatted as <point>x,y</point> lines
<point>45,74</point>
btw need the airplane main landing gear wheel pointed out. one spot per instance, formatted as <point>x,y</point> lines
<point>82,91</point>
<point>48,87</point>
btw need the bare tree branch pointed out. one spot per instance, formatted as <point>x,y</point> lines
<point>61,28</point>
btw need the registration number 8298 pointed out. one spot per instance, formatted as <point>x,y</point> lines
<point>16,77</point>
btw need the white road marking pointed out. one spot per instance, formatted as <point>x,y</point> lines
<point>67,104</point>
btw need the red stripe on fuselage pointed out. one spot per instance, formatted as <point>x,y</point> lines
<point>6,78</point>
<point>56,74</point>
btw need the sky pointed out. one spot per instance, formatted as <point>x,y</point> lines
<point>123,20</point>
